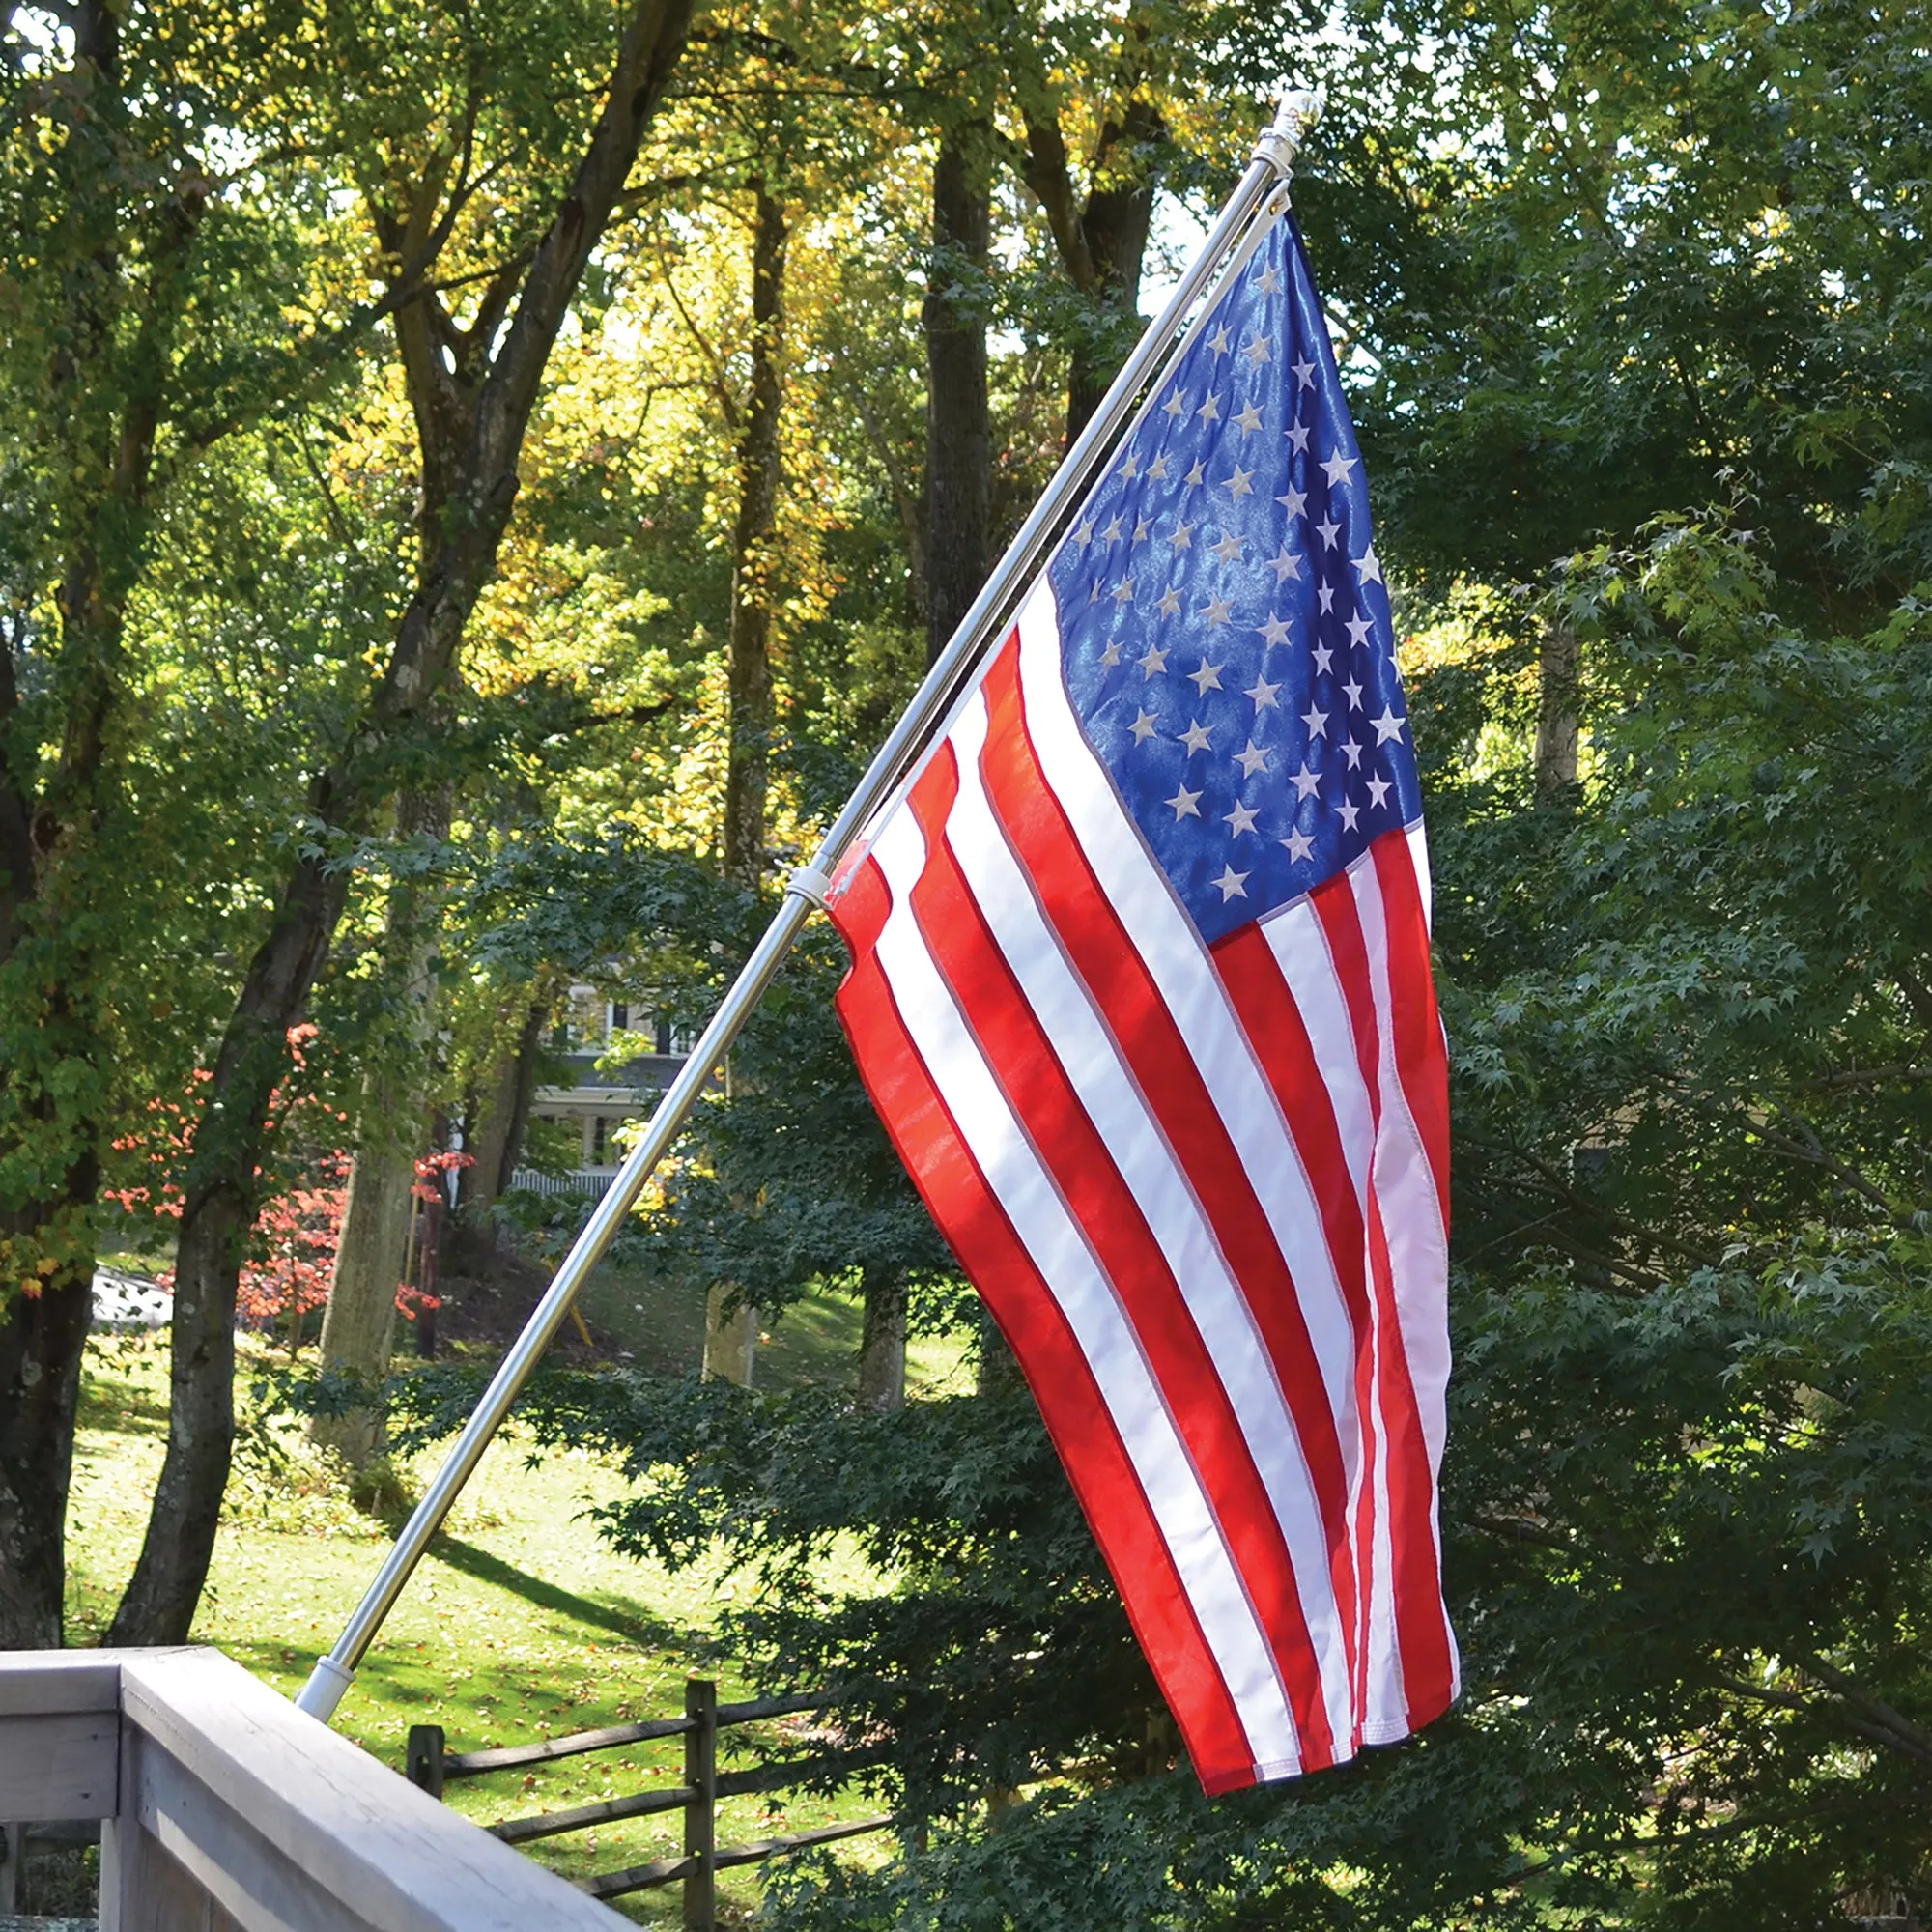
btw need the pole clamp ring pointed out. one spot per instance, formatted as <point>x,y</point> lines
<point>809,882</point>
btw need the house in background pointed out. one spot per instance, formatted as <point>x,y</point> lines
<point>600,1098</point>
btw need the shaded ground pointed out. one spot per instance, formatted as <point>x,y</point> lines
<point>520,1623</point>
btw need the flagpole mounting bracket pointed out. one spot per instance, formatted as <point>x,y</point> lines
<point>1281,139</point>
<point>810,882</point>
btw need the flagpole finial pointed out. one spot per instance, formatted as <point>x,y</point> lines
<point>1281,140</point>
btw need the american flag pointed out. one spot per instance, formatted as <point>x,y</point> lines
<point>1140,987</point>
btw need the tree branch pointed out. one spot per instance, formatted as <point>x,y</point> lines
<point>721,384</point>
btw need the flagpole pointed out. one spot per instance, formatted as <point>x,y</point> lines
<point>805,890</point>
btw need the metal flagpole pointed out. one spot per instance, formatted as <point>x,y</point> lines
<point>1273,159</point>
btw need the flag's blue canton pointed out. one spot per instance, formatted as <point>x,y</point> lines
<point>1225,622</point>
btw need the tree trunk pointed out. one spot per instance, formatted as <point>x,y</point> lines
<point>959,438</point>
<point>496,1134</point>
<point>1557,710</point>
<point>472,418</point>
<point>1116,222</point>
<point>1101,244</point>
<point>359,1325</point>
<point>731,1345</point>
<point>747,655</point>
<point>529,1051</point>
<point>218,1209</point>
<point>41,1347</point>
<point>882,1342</point>
<point>730,1341</point>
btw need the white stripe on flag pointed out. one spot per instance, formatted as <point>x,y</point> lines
<point>1058,1248</point>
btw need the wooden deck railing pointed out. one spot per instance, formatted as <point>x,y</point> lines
<point>430,1764</point>
<point>222,1806</point>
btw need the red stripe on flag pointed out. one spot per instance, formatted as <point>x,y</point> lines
<point>1025,1064</point>
<point>1421,1059</point>
<point>1076,1417</point>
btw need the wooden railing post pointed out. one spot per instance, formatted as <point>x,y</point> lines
<point>422,1757</point>
<point>701,1809</point>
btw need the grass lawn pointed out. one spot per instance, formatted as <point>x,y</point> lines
<point>520,1623</point>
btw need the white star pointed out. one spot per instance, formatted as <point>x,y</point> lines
<point>1254,759</point>
<point>1328,530</point>
<point>1336,468</point>
<point>1358,631</point>
<point>1084,534</point>
<point>1123,590</point>
<point>1388,725</point>
<point>1369,566</point>
<point>1093,591</point>
<point>1284,565</point>
<point>1194,476</point>
<point>1113,530</point>
<point>1195,737</point>
<point>1182,537</point>
<point>1111,656</point>
<point>1234,885</point>
<point>1210,410</point>
<point>1257,351</point>
<point>1143,728</point>
<point>1323,657</point>
<point>1157,468</point>
<point>1186,803</point>
<point>1169,602</point>
<point>1219,340</point>
<point>1153,660</point>
<point>1326,593</point>
<point>1300,846</point>
<point>1175,403</point>
<point>1304,375</point>
<point>1268,280</point>
<point>1305,782</point>
<point>1129,468</point>
<point>1208,678</point>
<point>1263,692</point>
<point>1249,418</point>
<point>1355,692</point>
<point>1215,610</point>
<point>1228,548</point>
<point>1379,790</point>
<point>1294,502</point>
<point>1143,529</point>
<point>1317,722</point>
<point>1348,813</point>
<point>1298,436</point>
<point>1240,819</point>
<point>1353,752</point>
<point>1276,630</point>
<point>1240,484</point>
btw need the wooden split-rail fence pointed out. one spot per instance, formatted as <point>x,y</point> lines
<point>430,1764</point>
